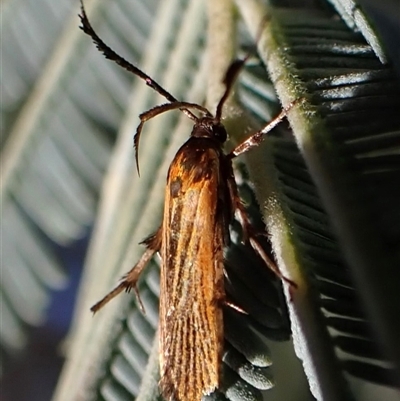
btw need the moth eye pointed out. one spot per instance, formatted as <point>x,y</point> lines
<point>219,132</point>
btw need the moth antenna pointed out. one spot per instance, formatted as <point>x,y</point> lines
<point>113,56</point>
<point>229,79</point>
<point>155,111</point>
<point>233,71</point>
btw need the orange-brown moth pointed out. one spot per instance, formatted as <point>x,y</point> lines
<point>201,199</point>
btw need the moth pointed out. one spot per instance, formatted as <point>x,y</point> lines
<point>201,200</point>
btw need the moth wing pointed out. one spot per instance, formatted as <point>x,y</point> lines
<point>192,287</point>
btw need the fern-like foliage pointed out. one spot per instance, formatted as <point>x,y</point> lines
<point>327,191</point>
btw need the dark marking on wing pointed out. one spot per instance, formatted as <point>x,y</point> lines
<point>175,187</point>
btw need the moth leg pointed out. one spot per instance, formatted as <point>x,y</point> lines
<point>258,137</point>
<point>227,300</point>
<point>250,234</point>
<point>235,307</point>
<point>221,298</point>
<point>153,245</point>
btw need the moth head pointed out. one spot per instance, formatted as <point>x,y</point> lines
<point>208,127</point>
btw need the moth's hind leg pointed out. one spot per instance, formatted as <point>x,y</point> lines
<point>250,234</point>
<point>153,245</point>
